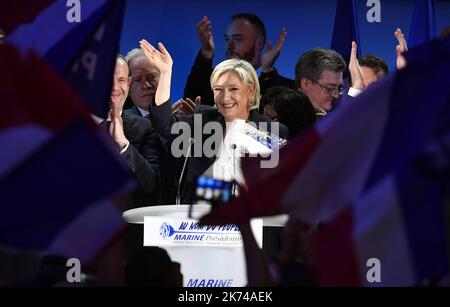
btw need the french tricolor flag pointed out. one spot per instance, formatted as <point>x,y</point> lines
<point>82,50</point>
<point>57,171</point>
<point>366,175</point>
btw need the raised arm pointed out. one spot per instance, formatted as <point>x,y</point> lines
<point>163,61</point>
<point>355,70</point>
<point>269,76</point>
<point>161,115</point>
<point>204,32</point>
<point>271,54</point>
<point>400,49</point>
<point>197,83</point>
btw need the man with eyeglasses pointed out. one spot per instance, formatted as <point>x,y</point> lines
<point>144,82</point>
<point>319,75</point>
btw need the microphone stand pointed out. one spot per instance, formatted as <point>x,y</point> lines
<point>177,201</point>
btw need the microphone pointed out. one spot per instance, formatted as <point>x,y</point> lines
<point>191,141</point>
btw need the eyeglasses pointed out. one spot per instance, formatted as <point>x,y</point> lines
<point>332,91</point>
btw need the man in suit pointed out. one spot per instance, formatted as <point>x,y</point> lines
<point>364,71</point>
<point>319,75</point>
<point>373,68</point>
<point>136,141</point>
<point>144,82</point>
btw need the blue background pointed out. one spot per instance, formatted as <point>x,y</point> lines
<point>308,23</point>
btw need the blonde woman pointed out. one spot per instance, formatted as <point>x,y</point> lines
<point>236,95</point>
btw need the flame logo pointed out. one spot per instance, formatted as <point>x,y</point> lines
<point>166,230</point>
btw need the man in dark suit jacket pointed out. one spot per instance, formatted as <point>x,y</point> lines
<point>136,141</point>
<point>245,39</point>
<point>142,158</point>
<point>168,175</point>
<point>144,82</point>
<point>135,111</point>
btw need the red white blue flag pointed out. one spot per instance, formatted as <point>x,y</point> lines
<point>374,174</point>
<point>57,171</point>
<point>80,41</point>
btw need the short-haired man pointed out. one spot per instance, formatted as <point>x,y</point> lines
<point>373,68</point>
<point>366,70</point>
<point>135,139</point>
<point>145,78</point>
<point>245,39</point>
<point>138,144</point>
<point>319,75</point>
<point>144,81</point>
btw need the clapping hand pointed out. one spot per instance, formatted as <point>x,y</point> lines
<point>204,32</point>
<point>185,106</point>
<point>271,54</point>
<point>355,69</point>
<point>401,48</point>
<point>116,128</point>
<point>162,60</point>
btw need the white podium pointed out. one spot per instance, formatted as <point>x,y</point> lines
<point>210,256</point>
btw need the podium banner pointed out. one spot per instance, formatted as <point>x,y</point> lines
<point>210,256</point>
<point>167,231</point>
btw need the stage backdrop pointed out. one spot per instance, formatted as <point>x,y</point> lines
<point>308,23</point>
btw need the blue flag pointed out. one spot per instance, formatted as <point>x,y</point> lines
<point>82,47</point>
<point>345,29</point>
<point>423,25</point>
